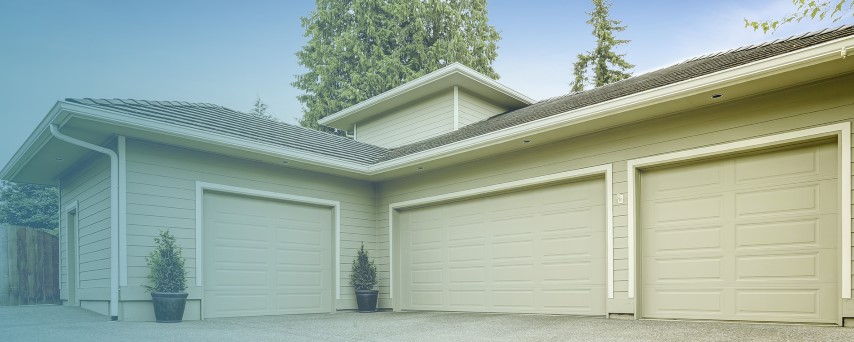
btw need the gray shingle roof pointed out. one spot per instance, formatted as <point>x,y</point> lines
<point>218,119</point>
<point>686,70</point>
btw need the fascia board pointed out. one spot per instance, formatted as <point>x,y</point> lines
<point>448,71</point>
<point>112,117</point>
<point>34,143</point>
<point>779,64</point>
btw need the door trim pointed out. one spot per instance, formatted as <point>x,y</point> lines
<point>201,187</point>
<point>72,210</point>
<point>605,170</point>
<point>842,132</point>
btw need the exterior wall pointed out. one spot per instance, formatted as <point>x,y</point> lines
<point>161,185</point>
<point>88,183</point>
<point>473,109</point>
<point>817,104</point>
<point>410,123</point>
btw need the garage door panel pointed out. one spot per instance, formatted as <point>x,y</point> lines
<point>518,249</point>
<point>696,269</point>
<point>761,244</point>
<point>803,163</point>
<point>690,239</point>
<point>277,261</point>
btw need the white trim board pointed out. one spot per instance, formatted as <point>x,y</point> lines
<point>121,145</point>
<point>73,207</point>
<point>335,205</point>
<point>515,185</point>
<point>842,131</point>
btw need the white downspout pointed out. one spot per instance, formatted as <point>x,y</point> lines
<point>114,214</point>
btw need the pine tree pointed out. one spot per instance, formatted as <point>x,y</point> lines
<point>360,48</point>
<point>605,65</point>
<point>259,109</point>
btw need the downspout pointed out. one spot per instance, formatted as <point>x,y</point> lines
<point>114,214</point>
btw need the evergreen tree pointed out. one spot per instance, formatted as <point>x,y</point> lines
<point>259,109</point>
<point>29,205</point>
<point>605,65</point>
<point>360,48</point>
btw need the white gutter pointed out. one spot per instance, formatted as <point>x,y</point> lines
<point>114,214</point>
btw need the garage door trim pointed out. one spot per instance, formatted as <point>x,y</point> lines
<point>514,185</point>
<point>842,132</point>
<point>201,187</point>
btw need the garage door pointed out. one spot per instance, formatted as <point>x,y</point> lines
<point>533,251</point>
<point>752,237</point>
<point>265,257</point>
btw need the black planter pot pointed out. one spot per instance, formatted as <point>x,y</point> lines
<point>367,300</point>
<point>169,307</point>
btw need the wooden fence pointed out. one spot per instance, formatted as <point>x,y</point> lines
<point>29,266</point>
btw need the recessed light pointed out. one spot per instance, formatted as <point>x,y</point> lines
<point>717,96</point>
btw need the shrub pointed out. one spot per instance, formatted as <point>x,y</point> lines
<point>166,266</point>
<point>364,273</point>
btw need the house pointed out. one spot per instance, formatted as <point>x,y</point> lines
<point>718,188</point>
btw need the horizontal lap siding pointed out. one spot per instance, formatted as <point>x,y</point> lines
<point>161,194</point>
<point>473,109</point>
<point>414,122</point>
<point>812,105</point>
<point>89,185</point>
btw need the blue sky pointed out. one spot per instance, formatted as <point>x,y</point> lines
<point>230,52</point>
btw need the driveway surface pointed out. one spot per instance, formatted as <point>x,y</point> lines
<point>68,324</point>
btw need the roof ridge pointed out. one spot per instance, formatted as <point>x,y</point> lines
<point>135,102</point>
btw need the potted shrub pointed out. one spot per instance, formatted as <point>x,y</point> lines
<point>363,278</point>
<point>168,279</point>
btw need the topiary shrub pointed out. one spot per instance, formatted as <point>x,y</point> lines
<point>166,266</point>
<point>364,273</point>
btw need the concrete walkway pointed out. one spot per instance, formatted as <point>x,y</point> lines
<point>57,323</point>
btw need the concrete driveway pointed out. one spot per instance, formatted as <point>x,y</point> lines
<point>57,323</point>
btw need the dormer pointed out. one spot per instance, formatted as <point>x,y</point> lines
<point>437,103</point>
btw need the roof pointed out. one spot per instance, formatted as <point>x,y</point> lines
<point>454,74</point>
<point>814,55</point>
<point>692,68</point>
<point>222,120</point>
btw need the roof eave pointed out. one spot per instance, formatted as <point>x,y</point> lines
<point>36,140</point>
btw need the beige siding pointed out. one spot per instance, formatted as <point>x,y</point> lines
<point>411,123</point>
<point>473,109</point>
<point>817,104</point>
<point>90,187</point>
<point>161,194</point>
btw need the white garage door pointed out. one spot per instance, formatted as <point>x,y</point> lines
<point>534,251</point>
<point>753,237</point>
<point>265,257</point>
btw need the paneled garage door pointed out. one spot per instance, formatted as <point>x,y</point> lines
<point>534,251</point>
<point>265,257</point>
<point>752,237</point>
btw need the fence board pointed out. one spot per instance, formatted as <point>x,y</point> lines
<point>31,265</point>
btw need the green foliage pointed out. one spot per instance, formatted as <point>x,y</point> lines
<point>360,48</point>
<point>364,274</point>
<point>29,205</point>
<point>605,65</point>
<point>833,9</point>
<point>166,266</point>
<point>259,109</point>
